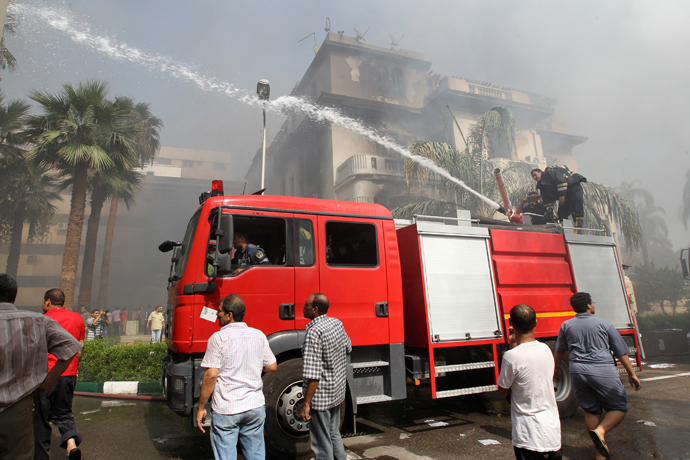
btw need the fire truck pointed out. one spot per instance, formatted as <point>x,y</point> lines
<point>424,302</point>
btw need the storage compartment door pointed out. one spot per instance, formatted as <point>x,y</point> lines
<point>596,270</point>
<point>460,291</point>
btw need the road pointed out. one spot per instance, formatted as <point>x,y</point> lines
<point>121,429</point>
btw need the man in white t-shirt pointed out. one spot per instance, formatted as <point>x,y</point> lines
<point>527,376</point>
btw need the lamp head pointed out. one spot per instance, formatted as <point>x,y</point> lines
<point>263,89</point>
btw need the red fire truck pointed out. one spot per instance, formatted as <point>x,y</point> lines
<point>427,302</point>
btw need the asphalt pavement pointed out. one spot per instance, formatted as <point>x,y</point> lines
<point>471,427</point>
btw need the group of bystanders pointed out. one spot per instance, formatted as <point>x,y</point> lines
<point>234,360</point>
<point>528,371</point>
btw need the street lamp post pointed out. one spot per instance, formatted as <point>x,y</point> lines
<point>263,90</point>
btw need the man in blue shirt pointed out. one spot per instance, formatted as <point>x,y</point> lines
<point>598,387</point>
<point>246,253</point>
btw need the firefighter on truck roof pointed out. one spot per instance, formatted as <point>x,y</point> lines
<point>557,183</point>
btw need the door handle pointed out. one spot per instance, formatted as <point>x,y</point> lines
<point>382,309</point>
<point>286,311</point>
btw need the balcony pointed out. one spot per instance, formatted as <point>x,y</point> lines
<point>370,165</point>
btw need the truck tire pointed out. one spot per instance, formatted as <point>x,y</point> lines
<point>565,393</point>
<point>287,436</point>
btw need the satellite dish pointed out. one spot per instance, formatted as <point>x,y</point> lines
<point>316,49</point>
<point>360,35</point>
<point>394,42</point>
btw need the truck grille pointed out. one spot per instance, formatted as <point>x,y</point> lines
<point>175,393</point>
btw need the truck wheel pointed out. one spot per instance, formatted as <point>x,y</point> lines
<point>286,434</point>
<point>565,393</point>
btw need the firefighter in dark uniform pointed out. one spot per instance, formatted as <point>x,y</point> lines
<point>246,253</point>
<point>557,183</point>
<point>534,207</point>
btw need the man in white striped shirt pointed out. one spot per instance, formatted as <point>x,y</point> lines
<point>235,357</point>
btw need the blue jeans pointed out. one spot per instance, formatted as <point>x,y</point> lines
<point>248,426</point>
<point>324,430</point>
<point>156,335</point>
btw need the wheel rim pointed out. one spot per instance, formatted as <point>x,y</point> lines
<point>287,412</point>
<point>564,386</point>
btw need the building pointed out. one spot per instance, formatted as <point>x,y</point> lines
<point>393,92</point>
<point>138,271</point>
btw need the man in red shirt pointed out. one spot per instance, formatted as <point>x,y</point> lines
<point>55,405</point>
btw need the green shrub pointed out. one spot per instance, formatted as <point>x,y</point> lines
<point>139,362</point>
<point>660,322</point>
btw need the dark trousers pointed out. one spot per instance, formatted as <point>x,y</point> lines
<point>54,406</point>
<point>16,433</point>
<point>574,204</point>
<point>524,454</point>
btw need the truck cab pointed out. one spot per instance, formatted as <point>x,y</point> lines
<point>347,251</point>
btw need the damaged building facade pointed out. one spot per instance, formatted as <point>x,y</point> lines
<point>393,92</point>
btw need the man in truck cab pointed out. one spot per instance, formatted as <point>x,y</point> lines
<point>246,253</point>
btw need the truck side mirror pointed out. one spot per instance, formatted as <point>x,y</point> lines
<point>225,240</point>
<point>684,256</point>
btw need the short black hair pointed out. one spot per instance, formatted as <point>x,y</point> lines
<point>535,169</point>
<point>235,305</point>
<point>523,318</point>
<point>580,301</point>
<point>321,302</point>
<point>56,296</point>
<point>8,288</point>
<point>242,234</point>
<point>95,310</point>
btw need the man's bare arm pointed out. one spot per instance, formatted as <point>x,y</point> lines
<point>306,407</point>
<point>271,367</point>
<point>207,386</point>
<point>632,376</point>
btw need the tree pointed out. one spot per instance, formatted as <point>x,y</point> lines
<point>7,59</point>
<point>657,285</point>
<point>653,226</point>
<point>80,130</point>
<point>27,193</point>
<point>684,212</point>
<point>147,144</point>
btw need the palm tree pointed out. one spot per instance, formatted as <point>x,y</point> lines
<point>28,194</point>
<point>147,145</point>
<point>685,201</point>
<point>654,233</point>
<point>104,186</point>
<point>80,130</point>
<point>7,59</point>
<point>125,191</point>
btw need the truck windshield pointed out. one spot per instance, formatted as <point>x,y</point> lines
<point>186,243</point>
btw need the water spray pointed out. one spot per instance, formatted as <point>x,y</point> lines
<point>102,44</point>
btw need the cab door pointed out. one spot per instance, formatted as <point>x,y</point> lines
<point>352,270</point>
<point>306,267</point>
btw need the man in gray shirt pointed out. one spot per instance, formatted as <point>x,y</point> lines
<point>26,338</point>
<point>598,387</point>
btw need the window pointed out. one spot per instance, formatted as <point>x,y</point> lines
<point>163,161</point>
<point>187,163</point>
<point>373,162</point>
<point>269,234</point>
<point>351,244</point>
<point>219,166</point>
<point>304,238</point>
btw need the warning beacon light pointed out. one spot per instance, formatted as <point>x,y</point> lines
<point>217,188</point>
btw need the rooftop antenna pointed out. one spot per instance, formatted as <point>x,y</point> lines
<point>328,25</point>
<point>313,34</point>
<point>395,43</point>
<point>360,35</point>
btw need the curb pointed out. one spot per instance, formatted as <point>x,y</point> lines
<point>120,389</point>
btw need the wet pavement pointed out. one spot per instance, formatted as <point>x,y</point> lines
<point>415,429</point>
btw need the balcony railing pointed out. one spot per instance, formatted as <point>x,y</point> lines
<point>369,164</point>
